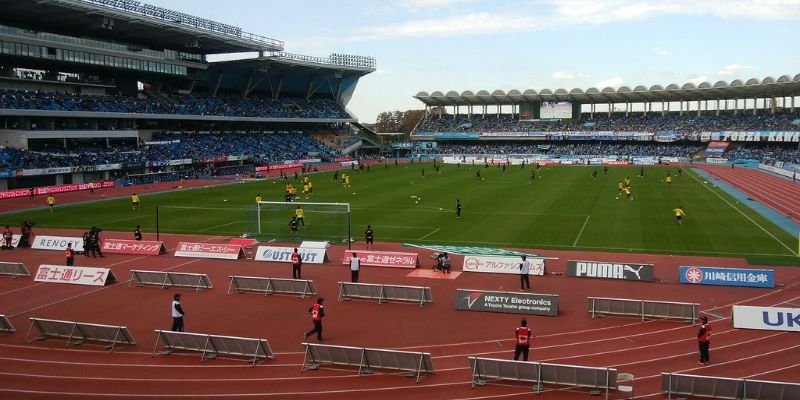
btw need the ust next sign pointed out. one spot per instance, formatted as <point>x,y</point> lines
<point>767,318</point>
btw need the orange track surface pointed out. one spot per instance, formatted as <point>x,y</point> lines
<point>48,370</point>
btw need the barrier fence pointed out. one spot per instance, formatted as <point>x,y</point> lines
<point>213,345</point>
<point>78,332</point>
<point>366,359</point>
<point>170,279</point>
<point>414,294</point>
<point>6,325</point>
<point>14,269</point>
<point>540,373</point>
<point>269,286</point>
<point>644,309</point>
<point>727,388</point>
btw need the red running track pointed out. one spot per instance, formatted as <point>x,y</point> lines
<point>777,193</point>
<point>48,370</point>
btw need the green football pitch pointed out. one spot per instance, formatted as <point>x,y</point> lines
<point>563,208</point>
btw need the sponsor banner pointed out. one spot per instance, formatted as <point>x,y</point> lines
<point>383,258</point>
<point>74,275</point>
<point>474,250</point>
<point>209,250</point>
<point>310,244</point>
<point>42,242</point>
<point>14,193</point>
<point>107,167</point>
<point>610,270</point>
<point>780,171</point>
<point>73,187</point>
<point>717,160</point>
<point>617,162</point>
<point>244,242</point>
<point>144,247</point>
<point>272,167</point>
<point>46,171</point>
<point>507,302</point>
<point>14,240</point>
<point>767,318</point>
<point>309,160</point>
<point>501,265</point>
<point>341,159</point>
<point>284,254</point>
<point>644,160</point>
<point>348,163</point>
<point>764,278</point>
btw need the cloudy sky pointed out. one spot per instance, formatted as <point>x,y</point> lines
<point>427,45</point>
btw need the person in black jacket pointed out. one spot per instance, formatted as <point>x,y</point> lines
<point>177,313</point>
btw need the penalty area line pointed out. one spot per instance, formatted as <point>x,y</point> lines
<point>430,233</point>
<point>575,243</point>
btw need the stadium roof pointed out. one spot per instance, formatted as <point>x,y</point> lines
<point>134,22</point>
<point>784,86</point>
<point>277,62</point>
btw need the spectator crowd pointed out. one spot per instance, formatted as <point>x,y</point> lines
<point>192,104</point>
<point>261,148</point>
<point>689,122</point>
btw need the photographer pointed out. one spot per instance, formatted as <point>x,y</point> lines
<point>26,234</point>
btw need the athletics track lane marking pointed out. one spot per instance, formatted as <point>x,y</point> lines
<point>109,286</point>
<point>694,175</point>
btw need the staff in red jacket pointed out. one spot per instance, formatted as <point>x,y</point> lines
<point>523,341</point>
<point>70,255</point>
<point>704,340</point>
<point>297,262</point>
<point>317,312</point>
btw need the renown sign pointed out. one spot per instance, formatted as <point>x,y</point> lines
<point>609,270</point>
<point>507,302</point>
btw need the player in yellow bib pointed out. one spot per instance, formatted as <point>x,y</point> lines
<point>135,201</point>
<point>679,214</point>
<point>627,192</point>
<point>305,190</point>
<point>51,202</point>
<point>299,215</point>
<point>347,181</point>
<point>668,179</point>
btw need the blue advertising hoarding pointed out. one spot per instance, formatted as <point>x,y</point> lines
<point>763,278</point>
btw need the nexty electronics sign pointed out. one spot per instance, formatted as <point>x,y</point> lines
<point>608,270</point>
<point>507,302</point>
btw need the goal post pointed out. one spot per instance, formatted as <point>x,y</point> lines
<point>321,221</point>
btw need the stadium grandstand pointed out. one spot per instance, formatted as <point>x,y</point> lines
<point>98,89</point>
<point>725,122</point>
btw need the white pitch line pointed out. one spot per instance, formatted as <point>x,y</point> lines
<point>575,243</point>
<point>430,233</point>
<point>694,175</point>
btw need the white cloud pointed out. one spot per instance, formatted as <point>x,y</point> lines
<point>569,75</point>
<point>430,4</point>
<point>561,13</point>
<point>696,79</point>
<point>660,52</point>
<point>458,25</point>
<point>732,70</point>
<point>383,71</point>
<point>614,82</point>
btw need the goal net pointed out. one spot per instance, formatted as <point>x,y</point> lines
<point>321,221</point>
